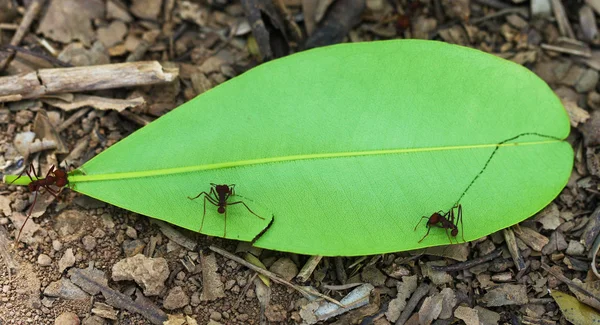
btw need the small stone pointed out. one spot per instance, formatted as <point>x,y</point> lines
<point>575,248</point>
<point>57,245</point>
<point>212,288</point>
<point>131,232</point>
<point>23,117</point>
<point>133,247</point>
<point>216,316</point>
<point>149,273</point>
<point>587,81</point>
<point>276,313</point>
<point>44,260</point>
<point>243,317</point>
<point>66,261</point>
<point>99,233</point>
<point>176,298</point>
<point>89,243</point>
<point>506,294</point>
<point>65,289</point>
<point>195,300</point>
<point>372,275</point>
<point>212,322</point>
<point>188,310</point>
<point>87,279</point>
<point>94,320</point>
<point>146,9</point>
<point>284,267</point>
<point>112,34</point>
<point>67,318</point>
<point>5,288</point>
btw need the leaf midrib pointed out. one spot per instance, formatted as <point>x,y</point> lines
<point>231,164</point>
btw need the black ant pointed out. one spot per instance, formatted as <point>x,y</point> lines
<point>54,176</point>
<point>446,220</point>
<point>218,196</point>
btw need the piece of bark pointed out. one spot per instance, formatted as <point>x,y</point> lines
<point>267,27</point>
<point>62,80</point>
<point>308,268</point>
<point>101,103</point>
<point>515,253</point>
<point>338,21</point>
<point>141,305</point>
<point>532,238</point>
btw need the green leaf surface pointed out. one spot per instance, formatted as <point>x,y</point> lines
<point>346,147</point>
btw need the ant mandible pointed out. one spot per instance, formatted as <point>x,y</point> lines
<point>218,196</point>
<point>54,176</point>
<point>445,220</point>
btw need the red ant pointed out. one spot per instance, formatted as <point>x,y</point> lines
<point>55,176</point>
<point>218,196</point>
<point>445,220</point>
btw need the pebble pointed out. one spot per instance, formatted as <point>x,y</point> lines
<point>285,267</point>
<point>94,320</point>
<point>149,273</point>
<point>131,232</point>
<point>66,261</point>
<point>133,247</point>
<point>89,243</point>
<point>57,245</point>
<point>5,288</point>
<point>176,298</point>
<point>195,300</point>
<point>23,117</point>
<point>44,260</point>
<point>99,233</point>
<point>215,315</point>
<point>67,318</point>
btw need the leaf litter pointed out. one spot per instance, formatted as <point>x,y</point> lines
<point>561,63</point>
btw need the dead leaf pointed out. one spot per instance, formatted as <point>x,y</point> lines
<point>69,20</point>
<point>576,114</point>
<point>575,311</point>
<point>468,315</point>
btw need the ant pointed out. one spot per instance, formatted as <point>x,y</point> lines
<point>218,196</point>
<point>55,176</point>
<point>446,220</point>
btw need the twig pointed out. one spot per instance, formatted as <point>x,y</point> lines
<point>499,13</point>
<point>571,284</point>
<point>342,287</point>
<point>412,303</point>
<point>561,49</point>
<point>62,80</point>
<point>243,293</point>
<point>594,252</point>
<point>32,11</point>
<point>72,119</point>
<point>468,264</point>
<point>308,268</point>
<point>273,276</point>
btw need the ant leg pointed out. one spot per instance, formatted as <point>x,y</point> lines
<point>232,189</point>
<point>225,226</point>
<point>459,219</point>
<point>197,196</point>
<point>423,217</point>
<point>28,216</point>
<point>211,201</point>
<point>428,229</point>
<point>242,202</point>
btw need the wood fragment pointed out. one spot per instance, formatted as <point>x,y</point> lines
<point>68,122</point>
<point>77,79</point>
<point>515,253</point>
<point>590,298</point>
<point>561,49</point>
<point>32,11</point>
<point>101,103</point>
<point>532,238</point>
<point>273,276</point>
<point>308,268</point>
<point>412,303</point>
<point>561,18</point>
<point>175,235</point>
<point>468,264</point>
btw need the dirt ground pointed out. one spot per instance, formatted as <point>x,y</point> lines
<point>215,40</point>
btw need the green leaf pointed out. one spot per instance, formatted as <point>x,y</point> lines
<point>347,147</point>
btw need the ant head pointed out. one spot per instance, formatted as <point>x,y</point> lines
<point>60,173</point>
<point>454,232</point>
<point>221,210</point>
<point>222,188</point>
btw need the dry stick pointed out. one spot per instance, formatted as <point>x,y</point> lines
<point>80,113</point>
<point>63,80</point>
<point>32,11</point>
<point>468,264</point>
<point>570,283</point>
<point>308,268</point>
<point>412,303</point>
<point>273,276</point>
<point>561,19</point>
